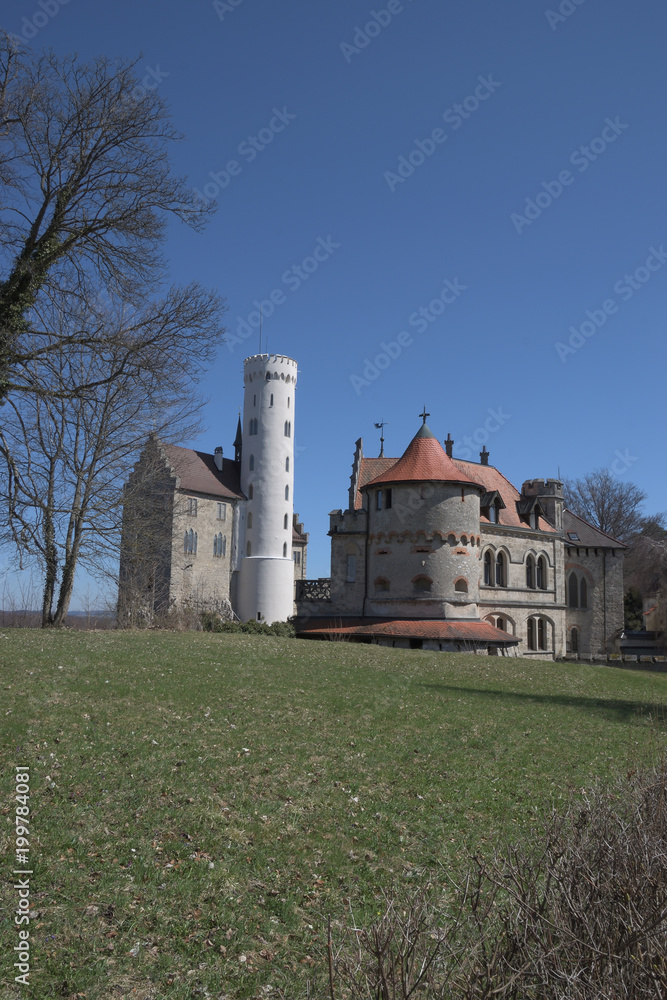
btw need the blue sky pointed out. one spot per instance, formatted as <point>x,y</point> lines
<point>559,105</point>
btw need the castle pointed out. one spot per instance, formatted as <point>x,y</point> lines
<point>432,552</point>
<point>212,533</point>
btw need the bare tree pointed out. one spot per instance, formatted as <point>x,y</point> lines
<point>612,506</point>
<point>66,459</point>
<point>645,566</point>
<point>87,192</point>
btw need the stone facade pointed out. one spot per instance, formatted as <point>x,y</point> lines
<point>462,545</point>
<point>205,532</point>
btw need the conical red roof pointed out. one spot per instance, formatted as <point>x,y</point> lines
<point>424,460</point>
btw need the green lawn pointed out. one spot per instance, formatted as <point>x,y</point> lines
<point>200,802</point>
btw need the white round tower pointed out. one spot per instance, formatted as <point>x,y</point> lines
<point>266,582</point>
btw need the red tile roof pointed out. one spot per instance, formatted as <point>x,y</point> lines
<point>376,470</point>
<point>492,479</point>
<point>406,629</point>
<point>424,460</point>
<point>369,469</point>
<point>198,473</point>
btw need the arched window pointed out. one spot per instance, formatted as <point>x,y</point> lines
<point>250,519</point>
<point>541,573</point>
<point>573,591</point>
<point>541,633</point>
<point>500,623</point>
<point>287,492</point>
<point>224,545</point>
<point>185,542</point>
<point>461,586</point>
<point>574,640</point>
<point>583,593</point>
<point>284,550</point>
<point>288,429</point>
<point>287,464</point>
<point>288,402</point>
<point>530,573</point>
<point>501,570</point>
<point>251,491</point>
<point>381,584</point>
<point>422,584</point>
<point>251,463</point>
<point>538,633</point>
<point>286,522</point>
<point>268,376</point>
<point>488,568</point>
<point>248,549</point>
<point>215,545</point>
<point>271,400</point>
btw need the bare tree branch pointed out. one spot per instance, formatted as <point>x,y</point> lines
<point>87,191</point>
<point>611,505</point>
<point>67,457</point>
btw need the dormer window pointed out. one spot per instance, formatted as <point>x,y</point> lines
<point>529,511</point>
<point>490,505</point>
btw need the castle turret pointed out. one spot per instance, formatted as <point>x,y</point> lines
<point>550,494</point>
<point>266,585</point>
<point>424,537</point>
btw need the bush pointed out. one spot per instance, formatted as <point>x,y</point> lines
<point>211,622</point>
<point>579,915</point>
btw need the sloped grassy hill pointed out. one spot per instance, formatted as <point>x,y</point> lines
<point>201,803</point>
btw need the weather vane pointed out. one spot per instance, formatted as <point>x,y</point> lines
<point>381,426</point>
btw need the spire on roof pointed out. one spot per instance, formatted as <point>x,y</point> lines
<point>238,440</point>
<point>424,415</point>
<point>424,460</point>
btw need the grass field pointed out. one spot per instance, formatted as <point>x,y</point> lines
<point>200,803</point>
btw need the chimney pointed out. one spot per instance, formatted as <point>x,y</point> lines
<point>217,458</point>
<point>484,456</point>
<point>449,445</point>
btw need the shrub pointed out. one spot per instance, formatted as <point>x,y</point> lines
<point>579,914</point>
<point>211,622</point>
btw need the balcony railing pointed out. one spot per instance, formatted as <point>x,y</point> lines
<point>313,590</point>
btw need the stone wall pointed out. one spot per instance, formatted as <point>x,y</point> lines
<point>201,579</point>
<point>600,622</point>
<point>516,602</point>
<point>149,501</point>
<point>348,541</point>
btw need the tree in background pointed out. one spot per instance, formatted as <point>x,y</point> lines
<point>633,607</point>
<point>66,459</point>
<point>87,192</point>
<point>617,508</point>
<point>646,567</point>
<point>603,500</point>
